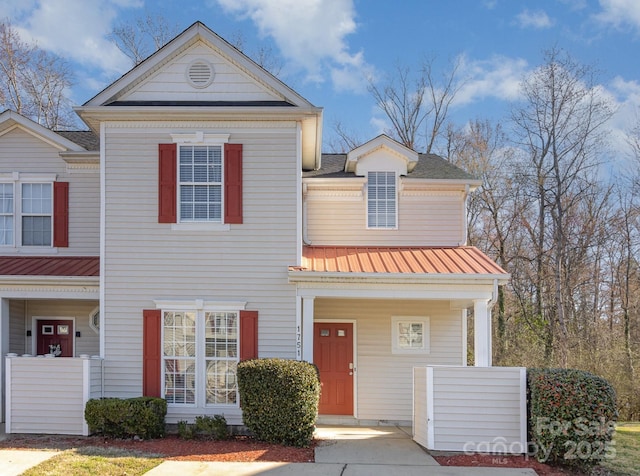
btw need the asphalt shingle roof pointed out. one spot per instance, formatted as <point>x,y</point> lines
<point>429,166</point>
<point>86,139</point>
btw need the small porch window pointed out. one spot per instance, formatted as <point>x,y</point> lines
<point>410,335</point>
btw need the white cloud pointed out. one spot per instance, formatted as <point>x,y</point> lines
<point>534,19</point>
<point>620,13</point>
<point>310,34</point>
<point>75,29</point>
<point>498,77</point>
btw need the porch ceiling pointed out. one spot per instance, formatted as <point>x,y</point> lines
<point>459,261</point>
<point>68,266</point>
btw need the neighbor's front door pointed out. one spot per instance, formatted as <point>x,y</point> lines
<point>55,336</point>
<point>333,354</point>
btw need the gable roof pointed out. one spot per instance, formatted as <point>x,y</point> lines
<point>383,141</point>
<point>271,98</point>
<point>194,33</point>
<point>10,120</point>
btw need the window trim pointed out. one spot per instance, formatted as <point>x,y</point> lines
<point>395,201</point>
<point>396,348</point>
<point>17,180</point>
<point>194,139</point>
<point>199,307</point>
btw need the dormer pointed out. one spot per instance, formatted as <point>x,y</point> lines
<point>381,154</point>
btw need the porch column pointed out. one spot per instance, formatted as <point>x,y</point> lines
<point>482,333</point>
<point>4,348</point>
<point>307,329</point>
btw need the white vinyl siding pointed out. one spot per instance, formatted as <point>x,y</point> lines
<point>146,260</point>
<point>384,380</point>
<point>429,218</point>
<point>40,404</point>
<point>17,326</point>
<point>84,187</point>
<point>471,408</point>
<point>229,84</point>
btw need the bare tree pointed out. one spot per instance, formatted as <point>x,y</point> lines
<point>559,126</point>
<point>35,82</point>
<point>417,105</point>
<point>140,38</point>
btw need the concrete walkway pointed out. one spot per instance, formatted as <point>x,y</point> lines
<point>346,451</point>
<point>342,451</point>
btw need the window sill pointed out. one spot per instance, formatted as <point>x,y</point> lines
<point>29,250</point>
<point>200,226</point>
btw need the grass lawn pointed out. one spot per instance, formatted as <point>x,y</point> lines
<point>627,458</point>
<point>90,461</point>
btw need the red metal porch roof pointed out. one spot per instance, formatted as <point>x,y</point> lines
<point>402,260</point>
<point>50,266</point>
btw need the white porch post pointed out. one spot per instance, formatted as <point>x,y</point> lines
<point>307,329</point>
<point>4,348</point>
<point>482,333</point>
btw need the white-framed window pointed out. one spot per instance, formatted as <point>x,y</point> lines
<point>200,357</point>
<point>410,335</point>
<point>200,182</point>
<point>26,211</point>
<point>382,200</point>
<point>7,214</point>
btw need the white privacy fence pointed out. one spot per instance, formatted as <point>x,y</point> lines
<point>475,409</point>
<point>48,395</point>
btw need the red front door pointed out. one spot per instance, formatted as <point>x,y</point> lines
<point>55,336</point>
<point>333,354</point>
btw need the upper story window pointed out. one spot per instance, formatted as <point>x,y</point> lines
<point>34,211</point>
<point>26,214</point>
<point>200,182</point>
<point>381,200</point>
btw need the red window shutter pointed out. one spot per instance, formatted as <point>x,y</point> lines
<point>151,348</point>
<point>61,214</point>
<point>167,183</point>
<point>248,335</point>
<point>233,183</point>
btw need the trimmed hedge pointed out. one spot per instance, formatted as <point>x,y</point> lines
<point>127,418</point>
<point>572,416</point>
<point>279,399</point>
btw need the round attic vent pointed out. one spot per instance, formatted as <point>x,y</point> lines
<point>200,73</point>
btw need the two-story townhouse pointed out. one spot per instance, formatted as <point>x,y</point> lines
<point>224,235</point>
<point>49,248</point>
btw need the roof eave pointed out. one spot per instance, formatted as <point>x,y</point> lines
<point>49,280</point>
<point>301,276</point>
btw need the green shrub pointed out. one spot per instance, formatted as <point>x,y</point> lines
<point>126,418</point>
<point>572,416</point>
<point>212,427</point>
<point>186,431</point>
<point>279,399</point>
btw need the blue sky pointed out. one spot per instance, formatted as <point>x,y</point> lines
<point>330,46</point>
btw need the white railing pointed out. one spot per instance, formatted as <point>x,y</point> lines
<point>474,409</point>
<point>48,395</point>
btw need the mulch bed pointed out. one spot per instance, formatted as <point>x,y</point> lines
<point>505,461</point>
<point>239,448</point>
